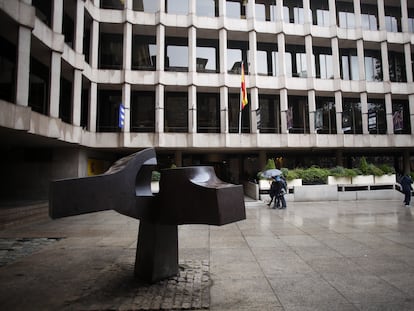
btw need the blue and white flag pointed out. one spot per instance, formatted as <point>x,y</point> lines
<point>121,121</point>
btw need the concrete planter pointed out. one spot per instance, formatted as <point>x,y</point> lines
<point>385,179</point>
<point>294,182</point>
<point>363,180</point>
<point>264,184</point>
<point>336,180</point>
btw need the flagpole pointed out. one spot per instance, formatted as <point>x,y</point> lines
<point>240,110</point>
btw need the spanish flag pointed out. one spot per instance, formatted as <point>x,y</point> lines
<point>243,92</point>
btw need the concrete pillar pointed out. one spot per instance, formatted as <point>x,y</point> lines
<point>192,109</point>
<point>310,64</point>
<point>388,113</point>
<point>224,110</point>
<point>222,8</point>
<point>55,69</point>
<point>336,58</point>
<point>252,53</point>
<point>223,50</point>
<point>94,44</point>
<point>79,20</point>
<point>23,66</point>
<point>160,47</point>
<point>77,96</point>
<point>57,16</point>
<point>159,108</point>
<point>364,112</point>
<point>93,106</point>
<point>312,110</point>
<point>384,61</point>
<point>250,10</point>
<point>127,46</point>
<point>283,110</point>
<point>408,64</point>
<point>404,15</point>
<point>281,68</point>
<point>332,12</point>
<point>126,101</point>
<point>279,10</point>
<point>192,49</point>
<point>381,15</point>
<point>339,110</point>
<point>357,12</point>
<point>361,61</point>
<point>411,106</point>
<point>407,162</point>
<point>339,158</point>
<point>254,105</point>
<point>262,159</point>
<point>307,12</point>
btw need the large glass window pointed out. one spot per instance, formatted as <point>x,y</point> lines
<point>377,121</point>
<point>373,66</point>
<point>86,88</point>
<point>345,14</point>
<point>320,13</point>
<point>208,113</point>
<point>68,27</point>
<point>112,4</point>
<point>269,107</point>
<point>293,9</point>
<point>401,116</point>
<point>142,111</point>
<point>144,52</point>
<point>325,115</point>
<point>7,70</point>
<point>236,54</point>
<point>176,7</point>
<point>349,64</point>
<point>323,59</point>
<point>43,11</point>
<point>110,51</point>
<point>87,25</point>
<point>410,20</point>
<point>148,6</point>
<point>207,55</point>
<point>176,112</point>
<point>236,9</point>
<point>176,56</point>
<point>207,8</point>
<point>65,99</point>
<point>295,59</point>
<point>39,81</point>
<point>297,115</point>
<point>234,110</point>
<point>396,63</point>
<point>393,19</point>
<point>267,59</point>
<point>109,102</point>
<point>265,10</point>
<point>351,116</point>
<point>369,15</point>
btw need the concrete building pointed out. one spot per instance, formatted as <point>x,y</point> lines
<point>327,81</point>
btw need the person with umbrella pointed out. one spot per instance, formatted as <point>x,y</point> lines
<point>280,190</point>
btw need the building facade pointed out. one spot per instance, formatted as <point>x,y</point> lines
<point>327,82</point>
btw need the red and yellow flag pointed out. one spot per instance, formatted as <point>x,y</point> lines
<point>243,92</point>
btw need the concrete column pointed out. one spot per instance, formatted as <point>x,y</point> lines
<point>55,69</point>
<point>192,8</point>
<point>357,12</point>
<point>160,47</point>
<point>224,110</point>
<point>223,50</point>
<point>404,15</point>
<point>128,4</point>
<point>222,8</point>
<point>364,112</point>
<point>77,95</point>
<point>126,101</point>
<point>192,109</point>
<point>283,110</point>
<point>339,157</point>
<point>178,158</point>
<point>127,46</point>
<point>57,16</point>
<point>407,162</point>
<point>388,114</point>
<point>312,110</point>
<point>159,108</point>
<point>361,62</point>
<point>381,14</point>
<point>332,12</point>
<point>94,44</point>
<point>93,106</point>
<point>79,20</point>
<point>192,49</point>
<point>252,53</point>
<point>281,68</point>
<point>23,66</point>
<point>279,10</point>
<point>307,12</point>
<point>161,5</point>
<point>262,159</point>
<point>254,105</point>
<point>335,58</point>
<point>339,110</point>
<point>408,60</point>
<point>310,64</point>
<point>250,9</point>
<point>384,61</point>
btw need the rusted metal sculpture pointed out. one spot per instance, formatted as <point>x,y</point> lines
<point>188,195</point>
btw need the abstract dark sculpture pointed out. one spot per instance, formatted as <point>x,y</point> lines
<point>188,195</point>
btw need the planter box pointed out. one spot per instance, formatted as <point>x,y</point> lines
<point>294,182</point>
<point>264,184</point>
<point>363,180</point>
<point>385,179</point>
<point>333,180</point>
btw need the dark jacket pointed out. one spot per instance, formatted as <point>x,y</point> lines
<point>406,182</point>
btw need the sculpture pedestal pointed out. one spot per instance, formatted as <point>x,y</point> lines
<point>157,252</point>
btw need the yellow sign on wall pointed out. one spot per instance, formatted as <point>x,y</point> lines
<point>96,167</point>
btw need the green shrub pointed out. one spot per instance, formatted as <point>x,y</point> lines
<point>337,171</point>
<point>156,176</point>
<point>389,170</point>
<point>351,172</point>
<point>291,174</point>
<point>364,167</point>
<point>270,164</point>
<point>374,170</point>
<point>314,175</point>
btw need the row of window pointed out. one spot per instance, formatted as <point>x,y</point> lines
<point>144,54</point>
<point>293,11</point>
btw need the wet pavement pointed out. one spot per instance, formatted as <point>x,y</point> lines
<point>352,255</point>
